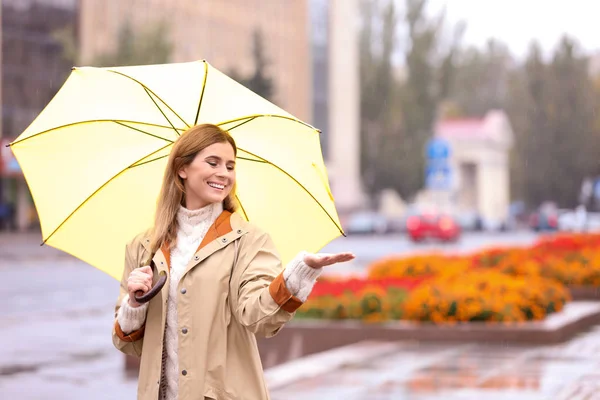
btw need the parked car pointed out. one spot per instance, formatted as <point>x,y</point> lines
<point>545,218</point>
<point>435,226</point>
<point>366,222</point>
<point>469,221</point>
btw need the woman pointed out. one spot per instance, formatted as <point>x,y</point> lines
<point>226,282</point>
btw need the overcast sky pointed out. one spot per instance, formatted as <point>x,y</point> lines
<point>517,22</point>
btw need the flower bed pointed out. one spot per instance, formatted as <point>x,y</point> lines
<point>495,285</point>
<point>370,300</point>
<point>573,260</point>
<point>487,296</point>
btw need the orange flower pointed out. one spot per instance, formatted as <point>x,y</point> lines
<point>497,297</point>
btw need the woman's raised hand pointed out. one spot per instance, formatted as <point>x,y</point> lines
<point>321,260</point>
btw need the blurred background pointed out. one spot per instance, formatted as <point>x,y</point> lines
<point>447,125</point>
<point>425,107</point>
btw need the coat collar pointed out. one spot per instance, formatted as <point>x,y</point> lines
<point>226,228</point>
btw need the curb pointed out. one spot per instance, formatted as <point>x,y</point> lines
<point>298,337</point>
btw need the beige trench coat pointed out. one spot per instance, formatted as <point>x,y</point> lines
<point>218,354</point>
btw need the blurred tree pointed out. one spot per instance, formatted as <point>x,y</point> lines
<point>528,113</point>
<point>149,45</point>
<point>399,104</point>
<point>481,79</point>
<point>66,36</point>
<point>552,107</point>
<point>430,63</point>
<point>551,104</point>
<point>378,101</point>
<point>259,82</point>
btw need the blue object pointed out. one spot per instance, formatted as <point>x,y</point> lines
<point>438,176</point>
<point>437,149</point>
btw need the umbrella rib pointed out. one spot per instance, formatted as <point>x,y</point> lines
<point>161,111</point>
<point>148,91</point>
<point>250,159</point>
<point>147,162</point>
<point>120,122</point>
<point>144,132</point>
<point>241,123</point>
<point>100,188</point>
<point>202,92</point>
<point>299,184</point>
<point>255,116</point>
<point>242,207</point>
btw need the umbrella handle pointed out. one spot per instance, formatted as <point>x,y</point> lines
<point>141,297</point>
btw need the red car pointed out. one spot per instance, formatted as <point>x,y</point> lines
<point>432,226</point>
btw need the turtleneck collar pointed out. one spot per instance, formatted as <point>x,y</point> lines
<point>207,214</point>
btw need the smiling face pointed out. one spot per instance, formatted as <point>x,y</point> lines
<point>210,177</point>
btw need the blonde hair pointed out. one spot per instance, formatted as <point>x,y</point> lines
<point>172,192</point>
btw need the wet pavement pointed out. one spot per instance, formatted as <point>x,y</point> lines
<point>412,371</point>
<point>55,329</point>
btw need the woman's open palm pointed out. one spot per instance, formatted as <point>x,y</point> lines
<point>321,260</point>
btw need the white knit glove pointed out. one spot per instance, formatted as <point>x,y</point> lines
<point>131,319</point>
<point>299,277</point>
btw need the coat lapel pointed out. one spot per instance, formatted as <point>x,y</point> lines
<point>219,235</point>
<point>220,227</point>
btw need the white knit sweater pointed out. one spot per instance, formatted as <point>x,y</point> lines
<point>193,225</point>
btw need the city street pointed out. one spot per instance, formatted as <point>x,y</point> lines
<point>56,318</point>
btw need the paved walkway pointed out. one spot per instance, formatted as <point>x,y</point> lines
<point>55,327</point>
<point>569,371</point>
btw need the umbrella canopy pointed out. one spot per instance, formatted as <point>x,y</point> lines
<point>95,156</point>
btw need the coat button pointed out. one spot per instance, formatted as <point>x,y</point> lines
<point>184,372</point>
<point>196,258</point>
<point>184,331</point>
<point>239,231</point>
<point>224,240</point>
<point>183,291</point>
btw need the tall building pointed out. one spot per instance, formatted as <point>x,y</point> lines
<point>219,31</point>
<point>33,66</point>
<point>336,96</point>
<point>32,69</point>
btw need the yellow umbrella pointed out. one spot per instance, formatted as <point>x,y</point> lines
<point>94,159</point>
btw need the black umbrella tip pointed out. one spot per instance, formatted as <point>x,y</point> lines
<point>8,145</point>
